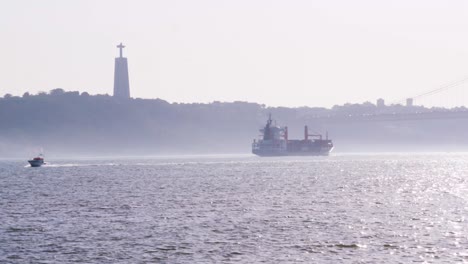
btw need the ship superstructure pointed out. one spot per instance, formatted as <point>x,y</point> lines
<point>274,141</point>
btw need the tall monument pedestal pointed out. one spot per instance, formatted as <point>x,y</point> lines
<point>121,82</point>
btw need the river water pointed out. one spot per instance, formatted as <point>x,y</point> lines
<point>366,208</point>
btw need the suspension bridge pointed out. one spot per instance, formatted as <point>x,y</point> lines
<point>450,95</point>
<point>446,102</point>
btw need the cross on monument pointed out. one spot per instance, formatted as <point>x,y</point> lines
<point>120,47</point>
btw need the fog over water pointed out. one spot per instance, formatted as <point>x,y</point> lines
<point>70,124</point>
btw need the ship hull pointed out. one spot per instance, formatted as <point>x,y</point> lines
<point>274,148</point>
<point>36,163</point>
<point>261,153</point>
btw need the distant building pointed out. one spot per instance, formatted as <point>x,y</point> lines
<point>380,102</point>
<point>409,102</point>
<point>121,82</point>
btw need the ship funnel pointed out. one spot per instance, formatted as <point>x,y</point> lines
<point>306,133</point>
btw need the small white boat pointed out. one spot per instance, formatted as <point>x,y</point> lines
<point>37,161</point>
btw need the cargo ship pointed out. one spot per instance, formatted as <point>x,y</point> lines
<point>274,141</point>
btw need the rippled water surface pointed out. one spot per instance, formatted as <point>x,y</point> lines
<point>241,209</point>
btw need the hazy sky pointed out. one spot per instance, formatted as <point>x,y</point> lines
<point>281,53</point>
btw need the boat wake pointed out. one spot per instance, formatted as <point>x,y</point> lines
<point>49,165</point>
